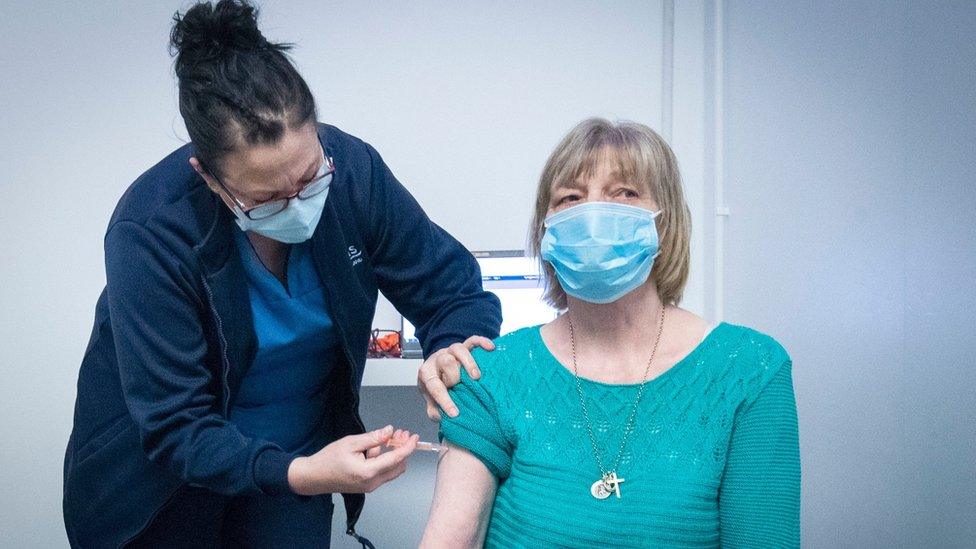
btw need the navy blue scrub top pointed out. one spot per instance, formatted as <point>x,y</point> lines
<point>283,396</point>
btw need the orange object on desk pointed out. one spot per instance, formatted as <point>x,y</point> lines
<point>386,346</point>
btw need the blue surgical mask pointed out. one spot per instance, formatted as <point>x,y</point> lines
<point>295,224</point>
<point>601,250</point>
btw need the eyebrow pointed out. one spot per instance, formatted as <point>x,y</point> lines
<point>571,184</point>
<point>313,168</point>
<point>304,179</point>
<point>267,196</point>
<point>262,196</point>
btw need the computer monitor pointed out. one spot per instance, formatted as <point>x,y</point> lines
<point>516,280</point>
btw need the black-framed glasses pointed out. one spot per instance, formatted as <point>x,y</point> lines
<point>264,210</point>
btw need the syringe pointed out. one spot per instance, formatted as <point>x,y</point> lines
<point>431,446</point>
<point>421,445</point>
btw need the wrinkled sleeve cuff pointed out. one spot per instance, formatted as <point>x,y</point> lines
<point>271,471</point>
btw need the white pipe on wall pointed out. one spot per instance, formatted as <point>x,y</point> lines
<point>721,210</point>
<point>667,71</point>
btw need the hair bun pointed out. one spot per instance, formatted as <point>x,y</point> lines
<point>209,32</point>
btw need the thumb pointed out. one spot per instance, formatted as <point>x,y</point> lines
<point>365,441</point>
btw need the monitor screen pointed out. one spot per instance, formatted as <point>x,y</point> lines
<point>515,279</point>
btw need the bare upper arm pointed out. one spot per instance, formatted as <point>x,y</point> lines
<point>463,499</point>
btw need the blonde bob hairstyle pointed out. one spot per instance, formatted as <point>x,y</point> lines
<point>642,156</point>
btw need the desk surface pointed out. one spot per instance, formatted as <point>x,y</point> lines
<point>391,372</point>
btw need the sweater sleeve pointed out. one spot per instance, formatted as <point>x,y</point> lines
<point>759,499</point>
<point>480,425</point>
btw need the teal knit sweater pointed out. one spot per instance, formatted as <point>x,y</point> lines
<point>713,460</point>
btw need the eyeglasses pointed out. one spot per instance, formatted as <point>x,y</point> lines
<point>315,186</point>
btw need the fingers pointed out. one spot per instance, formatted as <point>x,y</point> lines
<point>432,386</point>
<point>448,367</point>
<point>443,370</point>
<point>390,475</point>
<point>389,461</point>
<point>366,441</point>
<point>438,392</point>
<point>427,373</point>
<point>384,477</point>
<point>479,341</point>
<point>462,354</point>
<point>380,468</point>
<point>399,438</point>
<point>449,364</point>
<point>432,412</point>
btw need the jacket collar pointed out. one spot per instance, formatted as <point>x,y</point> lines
<point>218,242</point>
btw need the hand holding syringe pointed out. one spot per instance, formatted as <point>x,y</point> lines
<point>401,437</point>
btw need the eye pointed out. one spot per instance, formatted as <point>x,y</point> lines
<point>628,193</point>
<point>568,198</point>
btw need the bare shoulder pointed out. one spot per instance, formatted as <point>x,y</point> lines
<point>684,330</point>
<point>685,321</point>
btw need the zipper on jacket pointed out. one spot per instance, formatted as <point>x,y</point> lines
<point>345,351</point>
<point>352,385</point>
<point>225,362</point>
<point>350,528</point>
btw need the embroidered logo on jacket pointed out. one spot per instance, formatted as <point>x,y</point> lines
<point>355,256</point>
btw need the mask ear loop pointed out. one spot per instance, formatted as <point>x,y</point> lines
<point>654,217</point>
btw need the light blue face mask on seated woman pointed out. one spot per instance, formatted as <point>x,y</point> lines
<point>601,250</point>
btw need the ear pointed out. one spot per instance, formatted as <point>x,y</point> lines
<point>198,167</point>
<point>211,184</point>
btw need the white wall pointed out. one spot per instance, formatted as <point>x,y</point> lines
<point>937,418</point>
<point>87,103</point>
<point>850,171</point>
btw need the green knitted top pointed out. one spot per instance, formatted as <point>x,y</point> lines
<point>713,460</point>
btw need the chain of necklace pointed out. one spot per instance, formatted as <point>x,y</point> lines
<point>633,413</point>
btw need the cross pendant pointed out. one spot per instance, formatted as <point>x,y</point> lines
<point>613,483</point>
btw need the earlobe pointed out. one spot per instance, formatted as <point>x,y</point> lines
<point>197,167</point>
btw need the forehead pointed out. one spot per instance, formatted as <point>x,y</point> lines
<point>268,165</point>
<point>604,165</point>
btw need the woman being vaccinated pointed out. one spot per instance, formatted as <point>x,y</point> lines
<point>627,421</point>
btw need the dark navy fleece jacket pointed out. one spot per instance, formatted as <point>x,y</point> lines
<point>173,334</point>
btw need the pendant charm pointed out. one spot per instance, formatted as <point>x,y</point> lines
<point>607,485</point>
<point>599,490</point>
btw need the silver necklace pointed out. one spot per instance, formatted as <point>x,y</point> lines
<point>609,482</point>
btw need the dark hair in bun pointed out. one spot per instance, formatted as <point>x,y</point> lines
<point>235,86</point>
